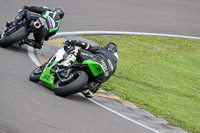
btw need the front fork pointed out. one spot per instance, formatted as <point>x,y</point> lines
<point>2,34</point>
<point>65,75</point>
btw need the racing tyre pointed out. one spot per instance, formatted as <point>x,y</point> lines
<point>18,35</point>
<point>74,85</point>
<point>35,74</point>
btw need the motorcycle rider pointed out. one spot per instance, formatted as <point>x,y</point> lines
<point>48,20</point>
<point>106,56</point>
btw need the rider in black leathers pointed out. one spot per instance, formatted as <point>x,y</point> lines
<point>49,20</point>
<point>106,56</point>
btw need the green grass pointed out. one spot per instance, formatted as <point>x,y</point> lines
<point>158,74</point>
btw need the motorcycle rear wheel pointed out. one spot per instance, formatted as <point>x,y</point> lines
<point>75,85</point>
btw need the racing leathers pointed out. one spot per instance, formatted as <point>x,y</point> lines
<point>106,58</point>
<point>49,20</point>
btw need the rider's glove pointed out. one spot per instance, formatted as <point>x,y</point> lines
<point>25,7</point>
<point>82,44</point>
<point>70,42</point>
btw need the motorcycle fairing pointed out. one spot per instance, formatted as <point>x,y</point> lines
<point>95,67</point>
<point>46,78</point>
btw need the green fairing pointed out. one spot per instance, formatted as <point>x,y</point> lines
<point>45,7</point>
<point>76,62</point>
<point>95,67</point>
<point>47,78</point>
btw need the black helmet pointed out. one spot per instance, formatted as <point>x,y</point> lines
<point>60,11</point>
<point>111,46</point>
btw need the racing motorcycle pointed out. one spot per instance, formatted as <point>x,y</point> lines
<point>65,81</point>
<point>17,32</point>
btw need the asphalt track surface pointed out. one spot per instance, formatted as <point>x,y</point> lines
<point>26,107</point>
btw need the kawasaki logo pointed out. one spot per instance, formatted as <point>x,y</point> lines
<point>105,68</point>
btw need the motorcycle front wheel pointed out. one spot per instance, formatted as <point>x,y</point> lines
<point>35,74</point>
<point>18,35</point>
<point>74,85</point>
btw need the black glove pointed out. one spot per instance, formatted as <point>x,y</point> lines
<point>70,42</point>
<point>25,7</point>
<point>82,44</point>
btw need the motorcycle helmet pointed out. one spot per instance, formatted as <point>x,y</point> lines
<point>60,11</point>
<point>111,46</point>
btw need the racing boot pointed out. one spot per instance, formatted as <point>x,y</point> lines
<point>34,44</point>
<point>94,87</point>
<point>88,93</point>
<point>31,43</point>
<point>18,18</point>
<point>22,42</point>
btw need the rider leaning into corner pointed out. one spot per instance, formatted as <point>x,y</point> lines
<point>49,20</point>
<point>106,56</point>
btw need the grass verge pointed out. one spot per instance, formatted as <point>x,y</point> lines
<point>158,74</point>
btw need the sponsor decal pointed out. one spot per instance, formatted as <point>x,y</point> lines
<point>105,68</point>
<point>110,65</point>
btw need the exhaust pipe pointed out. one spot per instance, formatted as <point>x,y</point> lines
<point>35,25</point>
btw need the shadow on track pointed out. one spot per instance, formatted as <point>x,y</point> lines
<point>17,49</point>
<point>75,97</point>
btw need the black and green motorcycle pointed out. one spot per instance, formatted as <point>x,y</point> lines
<point>66,81</point>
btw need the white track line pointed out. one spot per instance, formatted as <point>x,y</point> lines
<point>33,56</point>
<point>63,34</point>
<point>123,116</point>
